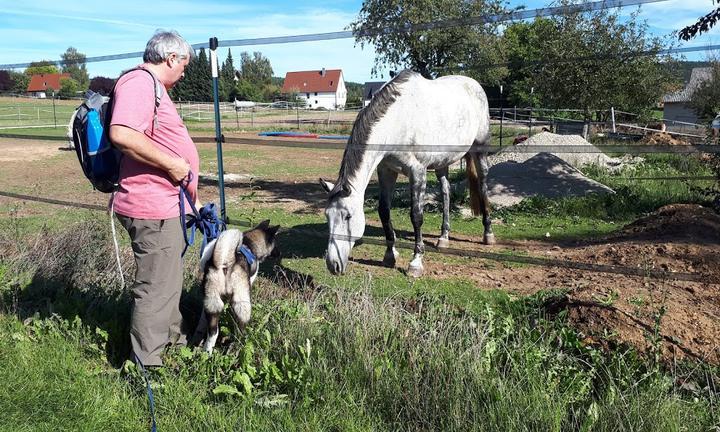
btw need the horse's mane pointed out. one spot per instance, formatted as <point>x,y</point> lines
<point>366,119</point>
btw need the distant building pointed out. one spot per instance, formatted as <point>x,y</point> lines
<point>369,90</point>
<point>676,106</point>
<point>40,83</point>
<point>318,88</point>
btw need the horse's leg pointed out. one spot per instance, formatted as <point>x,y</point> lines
<point>418,177</point>
<point>387,179</point>
<point>481,163</point>
<point>442,176</point>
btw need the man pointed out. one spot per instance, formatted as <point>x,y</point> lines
<point>158,155</point>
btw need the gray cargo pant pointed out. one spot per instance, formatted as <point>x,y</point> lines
<point>155,319</point>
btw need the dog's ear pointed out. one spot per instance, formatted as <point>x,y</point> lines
<point>264,225</point>
<point>272,231</point>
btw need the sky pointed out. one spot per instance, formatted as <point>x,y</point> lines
<point>44,29</point>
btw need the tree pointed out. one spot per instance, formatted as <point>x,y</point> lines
<point>431,52</point>
<point>73,63</point>
<point>102,85</point>
<point>227,88</point>
<point>197,83</point>
<point>20,82</point>
<point>68,88</point>
<point>6,81</point>
<point>703,25</point>
<point>591,61</point>
<point>41,67</point>
<point>256,69</point>
<point>705,99</point>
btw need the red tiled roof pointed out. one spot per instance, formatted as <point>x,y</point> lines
<point>312,81</point>
<point>41,82</point>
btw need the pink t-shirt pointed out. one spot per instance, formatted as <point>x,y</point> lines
<point>146,192</point>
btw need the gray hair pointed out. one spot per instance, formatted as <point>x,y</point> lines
<point>163,43</point>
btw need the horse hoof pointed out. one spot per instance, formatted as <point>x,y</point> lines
<point>489,239</point>
<point>415,272</point>
<point>390,258</point>
<point>442,243</point>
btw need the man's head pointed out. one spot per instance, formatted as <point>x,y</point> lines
<point>169,53</point>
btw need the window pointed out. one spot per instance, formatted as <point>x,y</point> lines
<point>315,101</point>
<point>315,93</point>
<point>307,95</point>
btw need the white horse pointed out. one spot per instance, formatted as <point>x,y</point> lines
<point>411,125</point>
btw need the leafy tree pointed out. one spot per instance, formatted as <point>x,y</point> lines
<point>256,69</point>
<point>102,85</point>
<point>68,88</point>
<point>248,91</point>
<point>431,52</point>
<point>703,25</point>
<point>6,81</point>
<point>20,82</point>
<point>706,98</point>
<point>41,67</point>
<point>590,61</point>
<point>73,62</point>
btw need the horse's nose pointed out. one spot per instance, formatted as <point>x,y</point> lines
<point>333,266</point>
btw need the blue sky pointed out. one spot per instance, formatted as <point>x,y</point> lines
<point>44,29</point>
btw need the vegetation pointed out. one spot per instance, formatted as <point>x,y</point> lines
<point>431,52</point>
<point>572,61</point>
<point>705,99</point>
<point>41,67</point>
<point>74,63</point>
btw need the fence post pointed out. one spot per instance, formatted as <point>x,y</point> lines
<point>501,115</point>
<point>515,113</point>
<point>252,116</point>
<point>54,114</point>
<point>612,116</point>
<point>297,113</point>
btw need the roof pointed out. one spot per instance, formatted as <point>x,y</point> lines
<point>41,82</point>
<point>697,77</point>
<point>312,81</point>
<point>370,88</point>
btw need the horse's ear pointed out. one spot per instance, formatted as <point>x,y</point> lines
<point>346,191</point>
<point>326,185</point>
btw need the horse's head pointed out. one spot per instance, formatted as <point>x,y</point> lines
<point>346,221</point>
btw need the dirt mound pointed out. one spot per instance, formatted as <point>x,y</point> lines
<point>661,138</point>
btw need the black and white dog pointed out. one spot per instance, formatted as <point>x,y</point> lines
<point>230,264</point>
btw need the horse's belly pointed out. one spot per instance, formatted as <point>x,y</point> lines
<point>441,160</point>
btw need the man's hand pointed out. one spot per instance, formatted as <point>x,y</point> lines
<point>178,170</point>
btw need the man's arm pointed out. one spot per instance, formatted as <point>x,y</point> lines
<point>139,147</point>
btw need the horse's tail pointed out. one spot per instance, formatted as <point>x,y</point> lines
<point>472,182</point>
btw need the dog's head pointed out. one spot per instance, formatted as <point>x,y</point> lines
<point>261,240</point>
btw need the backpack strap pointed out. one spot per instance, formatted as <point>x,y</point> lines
<point>158,92</point>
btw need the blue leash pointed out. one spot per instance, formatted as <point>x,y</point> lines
<point>151,398</point>
<point>206,220</point>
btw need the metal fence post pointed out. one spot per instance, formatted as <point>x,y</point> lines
<point>218,130</point>
<point>612,115</point>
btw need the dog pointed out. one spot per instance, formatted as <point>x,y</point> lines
<point>229,265</point>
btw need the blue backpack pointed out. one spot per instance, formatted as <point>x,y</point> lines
<point>99,159</point>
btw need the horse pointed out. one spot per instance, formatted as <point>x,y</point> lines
<point>412,125</point>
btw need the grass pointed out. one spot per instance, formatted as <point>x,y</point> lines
<point>364,352</point>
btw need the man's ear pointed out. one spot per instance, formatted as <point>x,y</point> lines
<point>326,185</point>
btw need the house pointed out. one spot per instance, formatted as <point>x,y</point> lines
<point>676,106</point>
<point>369,90</point>
<point>318,88</point>
<point>40,83</point>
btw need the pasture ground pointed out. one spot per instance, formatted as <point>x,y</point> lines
<point>644,228</point>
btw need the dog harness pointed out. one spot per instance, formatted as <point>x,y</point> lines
<point>247,253</point>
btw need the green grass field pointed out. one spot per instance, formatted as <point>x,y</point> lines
<point>367,351</point>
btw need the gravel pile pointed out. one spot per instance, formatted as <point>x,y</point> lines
<point>573,149</point>
<point>543,174</point>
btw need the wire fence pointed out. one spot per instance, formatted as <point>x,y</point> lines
<point>407,245</point>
